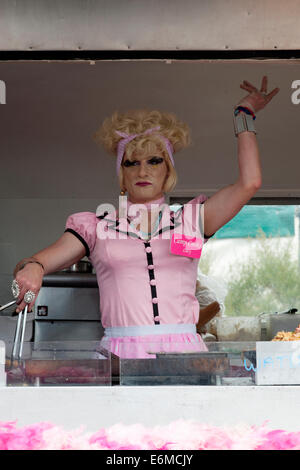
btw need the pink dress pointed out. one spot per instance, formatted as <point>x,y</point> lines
<point>147,293</point>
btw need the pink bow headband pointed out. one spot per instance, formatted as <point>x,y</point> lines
<point>127,138</point>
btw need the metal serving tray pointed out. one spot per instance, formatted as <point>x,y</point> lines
<point>175,369</point>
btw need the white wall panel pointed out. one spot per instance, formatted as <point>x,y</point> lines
<point>149,25</point>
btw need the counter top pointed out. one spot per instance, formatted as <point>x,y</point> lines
<point>96,407</point>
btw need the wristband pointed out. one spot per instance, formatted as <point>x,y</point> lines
<point>238,109</point>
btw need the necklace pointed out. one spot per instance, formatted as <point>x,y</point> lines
<point>159,201</point>
<point>148,234</point>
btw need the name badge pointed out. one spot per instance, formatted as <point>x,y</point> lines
<point>185,245</point>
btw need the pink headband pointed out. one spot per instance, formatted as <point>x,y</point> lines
<point>127,138</point>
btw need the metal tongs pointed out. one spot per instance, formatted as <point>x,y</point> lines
<point>3,307</point>
<point>20,330</point>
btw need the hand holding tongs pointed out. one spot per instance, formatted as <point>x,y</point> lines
<point>21,325</point>
<point>20,328</point>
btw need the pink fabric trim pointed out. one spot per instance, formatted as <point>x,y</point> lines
<point>85,224</point>
<point>140,347</point>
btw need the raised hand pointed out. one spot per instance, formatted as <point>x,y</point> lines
<point>257,100</point>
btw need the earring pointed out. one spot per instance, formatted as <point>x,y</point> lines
<point>122,204</point>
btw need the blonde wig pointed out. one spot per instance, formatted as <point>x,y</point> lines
<point>138,121</point>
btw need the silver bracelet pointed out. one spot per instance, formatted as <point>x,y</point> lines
<point>243,122</point>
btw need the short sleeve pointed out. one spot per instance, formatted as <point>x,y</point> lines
<point>84,226</point>
<point>200,200</point>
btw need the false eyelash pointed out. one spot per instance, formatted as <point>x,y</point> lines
<point>157,160</point>
<point>129,163</point>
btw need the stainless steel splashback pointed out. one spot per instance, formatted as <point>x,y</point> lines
<point>68,296</point>
<point>67,303</point>
<point>67,308</point>
<point>65,331</point>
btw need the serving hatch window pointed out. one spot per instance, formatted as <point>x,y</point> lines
<point>255,260</point>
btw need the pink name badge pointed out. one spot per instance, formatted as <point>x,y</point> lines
<point>184,245</point>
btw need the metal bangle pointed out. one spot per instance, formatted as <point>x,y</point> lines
<point>243,122</point>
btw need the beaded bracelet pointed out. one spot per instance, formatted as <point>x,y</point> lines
<point>245,110</point>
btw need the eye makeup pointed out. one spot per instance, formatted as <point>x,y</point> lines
<point>155,160</point>
<point>152,161</point>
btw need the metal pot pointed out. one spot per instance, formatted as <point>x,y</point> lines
<point>80,267</point>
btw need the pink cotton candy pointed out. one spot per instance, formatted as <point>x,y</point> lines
<point>178,435</point>
<point>281,440</point>
<point>27,438</point>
